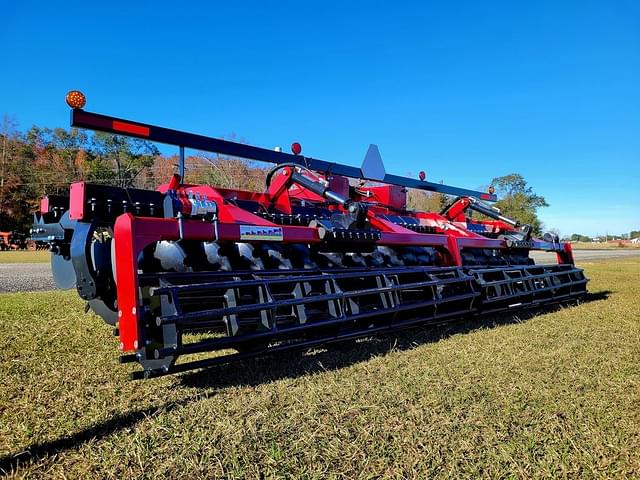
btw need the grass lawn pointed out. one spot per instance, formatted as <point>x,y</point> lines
<point>25,256</point>
<point>554,395</point>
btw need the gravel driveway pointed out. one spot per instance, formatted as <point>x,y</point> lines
<point>25,277</point>
<point>29,277</point>
<point>586,255</point>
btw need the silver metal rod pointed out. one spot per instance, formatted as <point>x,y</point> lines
<point>181,164</point>
<point>335,197</point>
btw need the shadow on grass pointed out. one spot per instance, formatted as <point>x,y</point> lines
<point>270,368</point>
<point>11,463</point>
<point>343,354</point>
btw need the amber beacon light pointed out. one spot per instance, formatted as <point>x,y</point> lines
<point>76,99</point>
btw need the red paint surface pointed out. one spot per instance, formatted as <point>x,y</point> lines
<point>76,201</point>
<point>126,127</point>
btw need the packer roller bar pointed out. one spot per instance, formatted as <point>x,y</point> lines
<point>298,345</point>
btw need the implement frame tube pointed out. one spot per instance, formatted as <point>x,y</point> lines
<point>119,126</point>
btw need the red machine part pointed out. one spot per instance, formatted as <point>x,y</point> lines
<point>392,197</point>
<point>77,201</point>
<point>132,234</point>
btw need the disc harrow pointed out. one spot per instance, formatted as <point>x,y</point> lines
<point>193,275</point>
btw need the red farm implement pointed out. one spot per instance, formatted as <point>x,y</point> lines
<point>326,253</point>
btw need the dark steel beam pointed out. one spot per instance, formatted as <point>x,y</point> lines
<point>105,123</point>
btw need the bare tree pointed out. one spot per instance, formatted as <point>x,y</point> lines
<point>8,131</point>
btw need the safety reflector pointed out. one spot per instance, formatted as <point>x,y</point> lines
<point>131,128</point>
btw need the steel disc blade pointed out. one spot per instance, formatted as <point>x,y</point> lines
<point>63,273</point>
<point>171,256</point>
<point>101,309</point>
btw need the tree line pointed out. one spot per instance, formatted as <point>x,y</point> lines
<point>45,161</point>
<point>577,237</point>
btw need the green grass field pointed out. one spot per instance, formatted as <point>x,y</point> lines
<point>553,395</point>
<point>24,256</point>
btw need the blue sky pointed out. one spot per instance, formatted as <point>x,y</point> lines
<point>463,90</point>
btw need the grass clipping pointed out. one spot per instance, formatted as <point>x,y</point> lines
<point>555,395</point>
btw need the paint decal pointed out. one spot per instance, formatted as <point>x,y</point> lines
<point>259,232</point>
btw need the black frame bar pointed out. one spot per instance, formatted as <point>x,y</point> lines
<point>119,126</point>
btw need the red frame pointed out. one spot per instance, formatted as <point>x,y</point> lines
<point>133,233</point>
